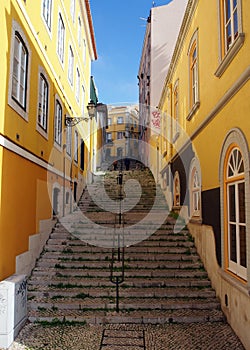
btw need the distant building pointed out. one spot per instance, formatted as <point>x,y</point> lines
<point>162,29</point>
<point>122,133</point>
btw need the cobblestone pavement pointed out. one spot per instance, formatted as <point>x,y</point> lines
<point>216,336</point>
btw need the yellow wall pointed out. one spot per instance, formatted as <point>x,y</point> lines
<point>211,89</point>
<point>19,214</point>
<point>26,187</point>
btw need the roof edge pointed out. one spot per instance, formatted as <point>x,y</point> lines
<point>91,27</point>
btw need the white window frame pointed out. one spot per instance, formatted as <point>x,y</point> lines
<point>58,123</point>
<point>84,51</point>
<point>21,109</point>
<point>71,65</point>
<point>226,54</point>
<point>234,182</point>
<point>109,137</point>
<point>69,141</point>
<point>83,100</point>
<point>120,120</point>
<point>79,33</point>
<point>230,23</point>
<point>119,135</point>
<point>78,84</point>
<point>195,191</point>
<point>43,104</point>
<point>234,138</point>
<point>193,67</point>
<point>72,9</point>
<point>176,115</point>
<point>76,146</point>
<point>47,13</point>
<point>61,38</point>
<point>177,190</point>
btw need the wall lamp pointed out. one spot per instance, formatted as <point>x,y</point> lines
<point>72,121</point>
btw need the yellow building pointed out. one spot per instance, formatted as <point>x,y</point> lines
<point>204,146</point>
<point>46,52</point>
<point>122,134</point>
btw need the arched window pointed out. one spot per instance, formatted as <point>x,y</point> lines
<point>195,191</point>
<point>235,225</point>
<point>177,190</point>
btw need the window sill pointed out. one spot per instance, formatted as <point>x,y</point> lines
<point>230,55</point>
<point>196,220</point>
<point>193,110</point>
<point>176,136</point>
<point>235,282</point>
<point>58,146</point>
<point>18,109</point>
<point>42,132</point>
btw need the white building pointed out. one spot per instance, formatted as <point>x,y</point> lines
<point>163,26</point>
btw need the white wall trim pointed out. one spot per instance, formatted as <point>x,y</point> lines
<point>11,146</point>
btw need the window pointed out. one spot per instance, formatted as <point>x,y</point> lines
<point>83,100</point>
<point>195,194</point>
<point>79,31</point>
<point>119,120</point>
<point>236,213</point>
<point>109,137</point>
<point>230,32</point>
<point>82,154</point>
<point>58,124</point>
<point>231,22</point>
<point>60,38</point>
<point>77,84</point>
<point>43,103</point>
<point>119,135</point>
<point>71,65</point>
<point>46,9</point>
<point>20,70</point>
<point>84,51</point>
<point>76,147</point>
<point>177,190</point>
<point>72,9</point>
<point>176,112</point>
<point>193,75</point>
<point>109,121</point>
<point>68,140</point>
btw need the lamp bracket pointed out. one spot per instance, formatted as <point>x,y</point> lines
<point>72,121</point>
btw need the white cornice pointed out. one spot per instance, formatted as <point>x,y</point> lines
<point>11,146</point>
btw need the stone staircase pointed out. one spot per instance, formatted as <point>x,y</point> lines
<point>164,279</point>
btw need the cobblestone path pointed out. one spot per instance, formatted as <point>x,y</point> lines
<point>203,336</point>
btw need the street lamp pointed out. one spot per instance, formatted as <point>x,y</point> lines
<point>72,121</point>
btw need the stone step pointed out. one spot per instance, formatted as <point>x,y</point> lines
<point>167,254</point>
<point>187,262</point>
<point>126,304</point>
<point>147,282</point>
<point>132,317</point>
<point>128,292</point>
<point>165,280</point>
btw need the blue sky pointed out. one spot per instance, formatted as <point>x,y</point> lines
<point>119,32</point>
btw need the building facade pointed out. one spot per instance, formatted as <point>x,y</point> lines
<point>162,28</point>
<point>204,145</point>
<point>46,54</point>
<point>122,134</point>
